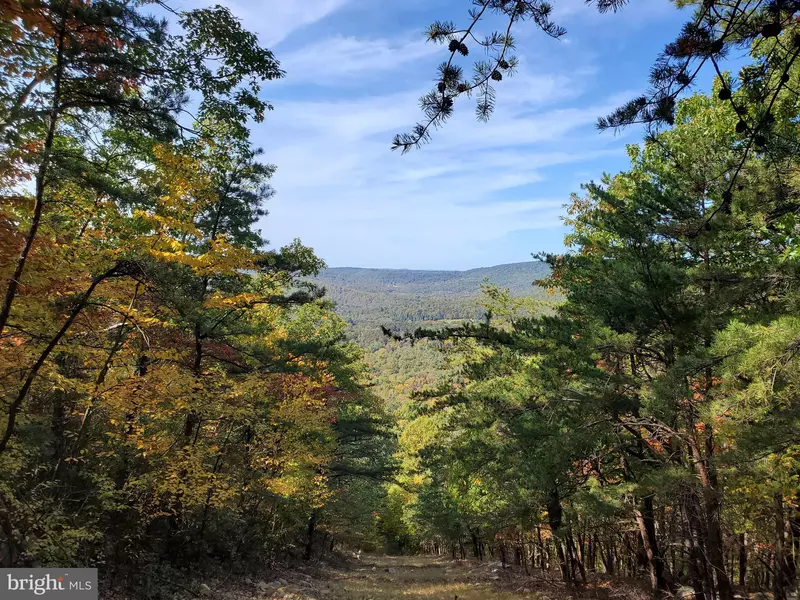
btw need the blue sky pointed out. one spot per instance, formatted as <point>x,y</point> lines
<point>479,194</point>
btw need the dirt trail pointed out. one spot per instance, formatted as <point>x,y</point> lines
<point>407,577</point>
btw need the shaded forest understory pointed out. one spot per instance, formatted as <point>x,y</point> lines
<point>179,400</point>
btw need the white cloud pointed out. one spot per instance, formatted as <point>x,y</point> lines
<point>341,188</point>
<point>632,11</point>
<point>273,20</point>
<point>332,60</point>
<point>457,202</point>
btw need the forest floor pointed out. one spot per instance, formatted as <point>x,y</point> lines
<point>423,577</point>
<point>388,577</point>
<point>414,578</point>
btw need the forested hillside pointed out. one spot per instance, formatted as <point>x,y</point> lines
<point>402,300</point>
<point>516,277</point>
<point>397,298</point>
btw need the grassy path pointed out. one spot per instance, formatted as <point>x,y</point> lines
<point>415,577</point>
<point>409,577</point>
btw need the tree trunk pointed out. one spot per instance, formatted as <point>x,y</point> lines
<point>16,405</point>
<point>742,559</point>
<point>714,552</point>
<point>780,581</point>
<point>695,538</point>
<point>608,558</point>
<point>476,546</point>
<point>660,577</point>
<point>554,518</point>
<point>312,525</point>
<point>41,178</point>
<point>574,557</point>
<point>592,554</point>
<point>542,560</point>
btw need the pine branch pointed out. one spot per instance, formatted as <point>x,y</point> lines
<point>438,105</point>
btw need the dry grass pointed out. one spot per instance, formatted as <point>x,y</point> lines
<point>411,578</point>
<point>385,578</point>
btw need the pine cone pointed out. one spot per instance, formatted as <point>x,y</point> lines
<point>463,49</point>
<point>454,46</point>
<point>497,76</point>
<point>771,30</point>
<point>727,198</point>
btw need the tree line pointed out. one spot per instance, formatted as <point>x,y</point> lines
<point>649,425</point>
<point>172,392</point>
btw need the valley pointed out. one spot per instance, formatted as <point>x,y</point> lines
<point>403,300</point>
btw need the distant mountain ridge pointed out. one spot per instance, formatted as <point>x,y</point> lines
<point>407,298</point>
<point>517,277</point>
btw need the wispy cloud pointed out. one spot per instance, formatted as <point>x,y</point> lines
<point>633,11</point>
<point>335,60</point>
<point>355,71</point>
<point>276,20</point>
<point>341,188</point>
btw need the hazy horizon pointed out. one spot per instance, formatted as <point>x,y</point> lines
<point>506,264</point>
